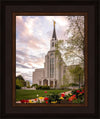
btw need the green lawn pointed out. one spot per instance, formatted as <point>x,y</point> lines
<point>31,94</point>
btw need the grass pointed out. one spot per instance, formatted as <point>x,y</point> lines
<point>31,94</point>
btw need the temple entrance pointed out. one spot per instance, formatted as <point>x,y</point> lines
<point>55,83</point>
<point>45,82</point>
<point>51,83</point>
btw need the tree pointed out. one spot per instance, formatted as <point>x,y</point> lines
<point>28,84</point>
<point>20,77</point>
<point>77,73</point>
<point>72,49</point>
<point>20,81</point>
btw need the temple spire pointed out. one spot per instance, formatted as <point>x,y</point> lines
<point>54,32</point>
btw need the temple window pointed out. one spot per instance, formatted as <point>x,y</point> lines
<point>52,44</point>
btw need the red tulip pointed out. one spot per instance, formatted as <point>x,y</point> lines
<point>45,91</point>
<point>27,101</point>
<point>83,90</point>
<point>62,95</point>
<point>46,102</point>
<point>70,99</point>
<point>46,98</point>
<point>78,91</point>
<point>74,95</point>
<point>23,101</point>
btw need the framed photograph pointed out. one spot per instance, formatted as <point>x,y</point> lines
<point>50,52</point>
<point>57,68</point>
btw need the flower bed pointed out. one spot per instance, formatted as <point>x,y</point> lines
<point>76,96</point>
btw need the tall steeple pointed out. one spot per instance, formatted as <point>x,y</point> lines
<point>54,38</point>
<point>54,32</point>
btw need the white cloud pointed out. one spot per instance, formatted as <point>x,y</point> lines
<point>33,34</point>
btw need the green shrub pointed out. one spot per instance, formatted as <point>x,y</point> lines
<point>73,84</point>
<point>18,87</point>
<point>83,86</point>
<point>34,85</point>
<point>43,87</point>
<point>54,97</point>
<point>28,86</point>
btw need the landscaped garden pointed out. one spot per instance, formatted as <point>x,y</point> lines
<point>50,96</point>
<point>31,94</point>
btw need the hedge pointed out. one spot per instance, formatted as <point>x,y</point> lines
<point>43,87</point>
<point>18,87</point>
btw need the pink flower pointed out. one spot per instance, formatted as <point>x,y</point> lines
<point>45,91</point>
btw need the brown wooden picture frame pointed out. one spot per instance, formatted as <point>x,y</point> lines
<point>9,11</point>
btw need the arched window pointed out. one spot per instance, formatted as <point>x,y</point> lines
<point>52,44</point>
<point>51,67</point>
<point>51,54</point>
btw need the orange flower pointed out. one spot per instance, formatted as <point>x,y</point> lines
<point>72,98</point>
<point>35,99</point>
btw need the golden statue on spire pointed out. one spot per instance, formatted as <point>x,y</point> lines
<point>54,22</point>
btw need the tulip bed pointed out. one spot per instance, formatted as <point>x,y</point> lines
<point>32,94</point>
<point>76,96</point>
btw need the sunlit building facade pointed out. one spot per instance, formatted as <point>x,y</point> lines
<point>54,68</point>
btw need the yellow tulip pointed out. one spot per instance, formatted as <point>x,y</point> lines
<point>30,101</point>
<point>53,101</point>
<point>61,98</point>
<point>70,93</point>
<point>79,94</point>
<point>41,97</point>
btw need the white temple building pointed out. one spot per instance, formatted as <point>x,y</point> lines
<point>54,68</point>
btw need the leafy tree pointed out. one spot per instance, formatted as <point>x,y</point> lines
<point>77,73</point>
<point>20,77</point>
<point>20,81</point>
<point>72,49</point>
<point>28,84</point>
<point>65,80</point>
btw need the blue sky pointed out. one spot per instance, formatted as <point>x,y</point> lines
<point>33,35</point>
